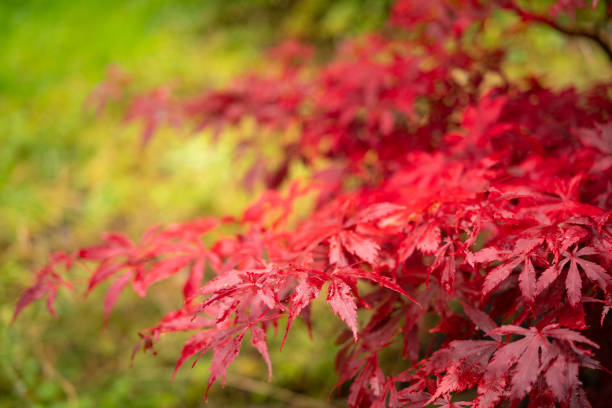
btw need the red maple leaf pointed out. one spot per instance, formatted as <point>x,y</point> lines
<point>573,282</point>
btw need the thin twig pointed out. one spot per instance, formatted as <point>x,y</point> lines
<point>50,371</point>
<point>594,35</point>
<point>283,395</point>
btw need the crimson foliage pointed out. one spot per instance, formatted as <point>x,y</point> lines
<point>437,193</point>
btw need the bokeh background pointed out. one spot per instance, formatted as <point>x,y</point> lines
<point>67,174</point>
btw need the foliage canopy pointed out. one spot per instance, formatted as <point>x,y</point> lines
<point>439,187</point>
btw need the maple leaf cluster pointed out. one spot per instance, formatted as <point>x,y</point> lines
<point>435,194</point>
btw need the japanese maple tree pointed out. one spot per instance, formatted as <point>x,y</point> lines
<point>436,192</point>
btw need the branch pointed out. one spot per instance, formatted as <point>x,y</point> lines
<point>281,394</point>
<point>50,371</point>
<point>593,35</point>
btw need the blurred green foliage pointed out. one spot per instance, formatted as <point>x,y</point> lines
<point>66,175</point>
